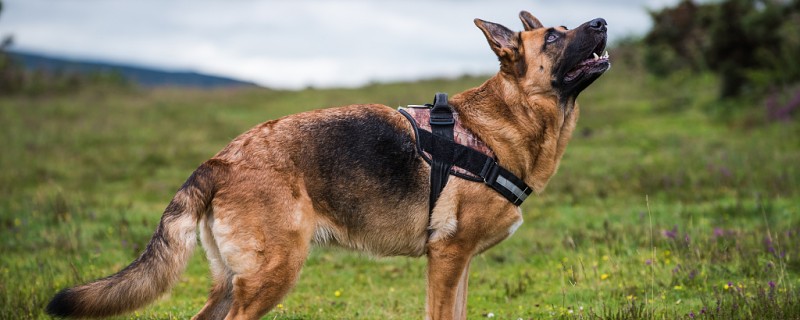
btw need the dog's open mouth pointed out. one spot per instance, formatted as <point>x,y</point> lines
<point>597,62</point>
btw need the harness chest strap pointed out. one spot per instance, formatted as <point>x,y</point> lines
<point>442,122</point>
<point>500,179</point>
<point>480,166</point>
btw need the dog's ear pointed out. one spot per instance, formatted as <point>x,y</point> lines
<point>529,21</point>
<point>502,40</point>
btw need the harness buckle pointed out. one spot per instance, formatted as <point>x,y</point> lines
<point>490,171</point>
<point>441,118</point>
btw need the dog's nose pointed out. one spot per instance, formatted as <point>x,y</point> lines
<point>598,24</point>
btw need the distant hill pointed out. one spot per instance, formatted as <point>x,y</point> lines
<point>146,77</point>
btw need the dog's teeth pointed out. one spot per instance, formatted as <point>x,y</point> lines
<point>605,54</point>
<point>595,56</point>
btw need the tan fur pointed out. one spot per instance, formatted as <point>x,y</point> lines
<point>286,184</point>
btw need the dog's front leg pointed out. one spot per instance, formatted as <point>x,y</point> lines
<point>461,296</point>
<point>448,273</point>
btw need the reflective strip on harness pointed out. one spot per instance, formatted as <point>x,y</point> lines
<point>521,195</point>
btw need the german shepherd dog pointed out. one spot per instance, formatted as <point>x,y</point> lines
<point>351,176</point>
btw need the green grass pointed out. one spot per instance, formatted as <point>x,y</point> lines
<point>658,211</point>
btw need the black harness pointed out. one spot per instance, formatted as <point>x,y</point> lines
<point>445,154</point>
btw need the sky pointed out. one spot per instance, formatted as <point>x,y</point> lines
<point>301,43</point>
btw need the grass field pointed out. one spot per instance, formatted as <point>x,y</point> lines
<point>660,210</point>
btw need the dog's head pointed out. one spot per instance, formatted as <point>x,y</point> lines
<point>549,60</point>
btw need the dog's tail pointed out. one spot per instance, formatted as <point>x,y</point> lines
<point>159,266</point>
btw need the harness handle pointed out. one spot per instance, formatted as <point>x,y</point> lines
<point>441,113</point>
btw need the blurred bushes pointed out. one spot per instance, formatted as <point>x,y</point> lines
<point>11,73</point>
<point>752,45</point>
<point>678,39</point>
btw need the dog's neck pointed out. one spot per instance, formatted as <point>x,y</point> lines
<point>528,132</point>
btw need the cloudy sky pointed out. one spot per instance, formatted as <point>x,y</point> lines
<point>294,44</point>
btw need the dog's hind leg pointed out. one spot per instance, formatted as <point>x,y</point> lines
<point>221,295</point>
<point>264,237</point>
<point>258,291</point>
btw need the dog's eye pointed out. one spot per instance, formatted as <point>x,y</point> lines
<point>551,37</point>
